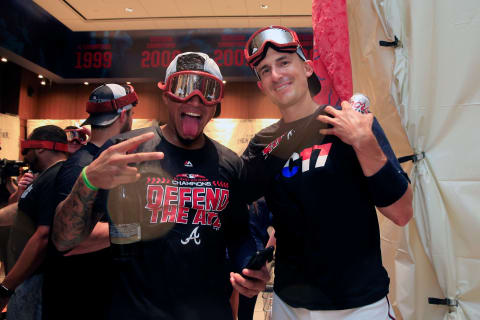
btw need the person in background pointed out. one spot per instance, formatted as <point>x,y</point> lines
<point>45,150</point>
<point>260,221</point>
<point>110,108</point>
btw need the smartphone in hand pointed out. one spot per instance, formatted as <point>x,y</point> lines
<point>259,259</point>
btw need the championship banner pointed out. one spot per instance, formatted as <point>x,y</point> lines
<point>129,54</point>
<point>9,137</point>
<point>331,51</point>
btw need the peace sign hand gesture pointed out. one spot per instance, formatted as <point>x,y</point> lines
<point>111,168</point>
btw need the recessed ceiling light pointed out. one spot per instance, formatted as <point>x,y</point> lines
<point>40,76</point>
<point>128,82</point>
<point>264,6</point>
<point>4,59</point>
<point>85,83</point>
<point>43,82</point>
<point>129,10</point>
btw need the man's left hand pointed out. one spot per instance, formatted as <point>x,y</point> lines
<point>253,285</point>
<point>350,126</point>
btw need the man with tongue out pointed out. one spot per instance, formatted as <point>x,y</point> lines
<point>189,109</point>
<point>189,205</point>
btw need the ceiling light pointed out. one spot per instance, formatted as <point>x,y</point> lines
<point>224,81</point>
<point>40,76</point>
<point>4,59</point>
<point>128,10</point>
<point>264,6</point>
<point>43,82</point>
<point>85,83</point>
<point>128,82</point>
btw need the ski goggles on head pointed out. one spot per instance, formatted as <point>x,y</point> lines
<point>183,85</point>
<point>79,135</point>
<point>279,37</point>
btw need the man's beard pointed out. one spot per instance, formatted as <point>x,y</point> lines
<point>34,165</point>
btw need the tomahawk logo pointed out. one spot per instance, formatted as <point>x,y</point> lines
<point>188,164</point>
<point>193,236</point>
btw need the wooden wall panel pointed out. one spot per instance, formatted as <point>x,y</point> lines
<point>27,104</point>
<point>28,99</point>
<point>243,100</point>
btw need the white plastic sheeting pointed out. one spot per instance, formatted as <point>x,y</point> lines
<point>372,67</point>
<point>436,89</point>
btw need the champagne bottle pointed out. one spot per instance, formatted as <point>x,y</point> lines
<point>125,211</point>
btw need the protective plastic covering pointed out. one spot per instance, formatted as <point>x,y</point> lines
<point>372,75</point>
<point>436,90</point>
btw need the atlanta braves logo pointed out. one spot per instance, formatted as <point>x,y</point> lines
<point>194,235</point>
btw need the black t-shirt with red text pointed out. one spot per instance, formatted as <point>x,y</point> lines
<point>190,212</point>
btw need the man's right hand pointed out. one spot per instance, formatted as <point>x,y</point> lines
<point>111,168</point>
<point>23,184</point>
<point>25,181</point>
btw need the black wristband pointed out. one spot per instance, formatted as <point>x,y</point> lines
<point>387,185</point>
<point>5,292</point>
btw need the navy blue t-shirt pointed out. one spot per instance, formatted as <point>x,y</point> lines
<point>328,242</point>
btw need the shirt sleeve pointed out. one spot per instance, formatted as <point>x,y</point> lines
<point>386,148</point>
<point>66,178</point>
<point>43,200</point>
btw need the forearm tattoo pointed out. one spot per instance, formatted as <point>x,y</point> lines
<point>74,219</point>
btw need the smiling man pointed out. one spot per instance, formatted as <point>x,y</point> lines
<point>189,205</point>
<point>323,171</point>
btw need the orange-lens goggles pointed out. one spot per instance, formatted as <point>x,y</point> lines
<point>182,86</point>
<point>278,36</point>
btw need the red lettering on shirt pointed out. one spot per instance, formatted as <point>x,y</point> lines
<point>200,217</point>
<point>154,201</point>
<point>216,223</point>
<point>210,216</point>
<point>198,201</point>
<point>212,198</point>
<point>182,215</point>
<point>185,196</point>
<point>169,214</point>
<point>171,195</point>
<point>224,199</point>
